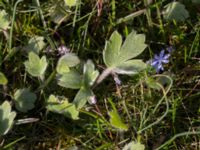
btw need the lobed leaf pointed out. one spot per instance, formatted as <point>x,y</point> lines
<point>132,47</point>
<point>36,66</point>
<point>6,117</point>
<point>24,100</point>
<point>118,57</point>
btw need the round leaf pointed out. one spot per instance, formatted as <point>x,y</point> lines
<point>24,100</point>
<point>175,11</point>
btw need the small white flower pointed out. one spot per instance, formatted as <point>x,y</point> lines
<point>92,100</point>
<point>62,50</point>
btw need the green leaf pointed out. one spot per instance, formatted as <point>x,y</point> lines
<point>35,44</point>
<point>117,57</point>
<point>111,50</point>
<point>70,3</point>
<point>116,121</point>
<point>132,46</point>
<point>66,61</point>
<point>62,107</point>
<point>175,11</point>
<point>82,97</point>
<point>130,67</point>
<point>4,20</point>
<point>6,117</point>
<point>36,66</point>
<point>3,79</point>
<point>134,146</point>
<point>24,100</point>
<point>89,74</point>
<point>70,80</point>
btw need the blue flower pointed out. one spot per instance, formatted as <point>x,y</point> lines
<point>159,60</point>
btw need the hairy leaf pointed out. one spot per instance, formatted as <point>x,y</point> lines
<point>24,100</point>
<point>132,46</point>
<point>130,67</point>
<point>118,57</point>
<point>36,66</point>
<point>111,50</point>
<point>62,107</point>
<point>70,80</point>
<point>6,117</point>
<point>89,74</point>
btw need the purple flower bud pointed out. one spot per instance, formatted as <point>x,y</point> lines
<point>117,80</point>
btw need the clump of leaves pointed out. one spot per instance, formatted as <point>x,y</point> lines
<point>74,80</point>
<point>6,117</point>
<point>24,100</point>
